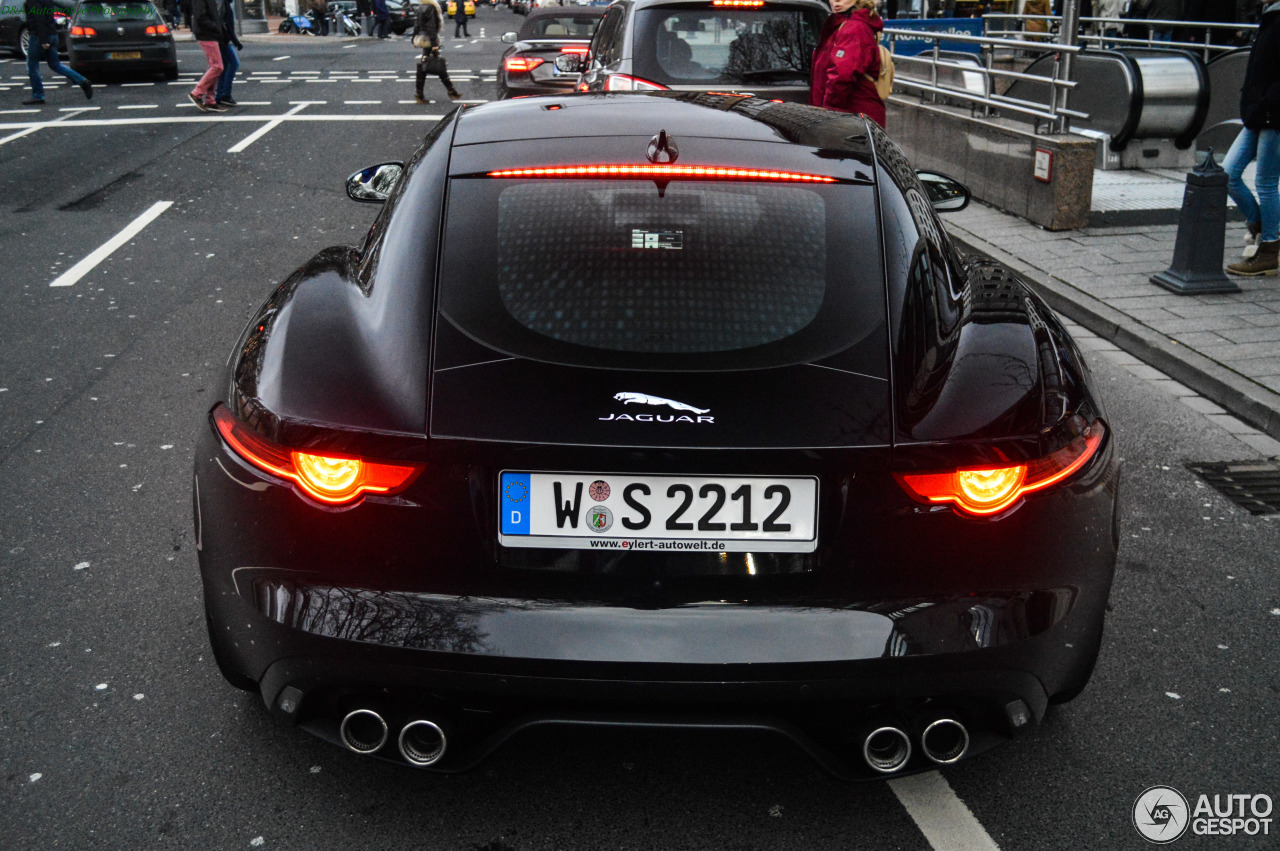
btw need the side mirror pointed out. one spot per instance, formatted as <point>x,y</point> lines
<point>508,38</point>
<point>946,194</point>
<point>571,63</point>
<point>374,184</point>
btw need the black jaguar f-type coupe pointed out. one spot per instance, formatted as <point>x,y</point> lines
<point>666,409</point>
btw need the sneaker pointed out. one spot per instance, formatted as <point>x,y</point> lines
<point>87,88</point>
<point>1264,262</point>
<point>214,107</point>
<point>34,102</point>
<point>228,101</point>
<point>198,101</point>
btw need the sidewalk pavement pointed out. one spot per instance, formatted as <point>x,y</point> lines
<point>1225,347</point>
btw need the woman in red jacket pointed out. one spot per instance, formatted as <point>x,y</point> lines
<point>847,52</point>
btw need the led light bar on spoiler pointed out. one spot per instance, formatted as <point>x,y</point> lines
<point>650,172</point>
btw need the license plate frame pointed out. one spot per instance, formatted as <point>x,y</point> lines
<point>127,54</point>
<point>718,512</point>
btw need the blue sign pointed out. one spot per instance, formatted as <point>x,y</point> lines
<point>960,26</point>
<point>515,503</point>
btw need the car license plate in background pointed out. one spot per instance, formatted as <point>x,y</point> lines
<point>133,54</point>
<point>658,513</point>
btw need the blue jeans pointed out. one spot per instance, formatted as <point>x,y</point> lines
<point>1264,146</point>
<point>230,65</point>
<point>36,51</point>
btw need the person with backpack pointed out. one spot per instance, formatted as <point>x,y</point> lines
<point>848,61</point>
<point>426,35</point>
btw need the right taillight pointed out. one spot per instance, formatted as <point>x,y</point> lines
<point>628,83</point>
<point>983,491</point>
<point>83,32</point>
<point>522,64</point>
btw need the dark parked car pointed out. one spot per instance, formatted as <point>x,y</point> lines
<point>403,14</point>
<point>13,26</point>
<point>694,420</point>
<point>738,46</point>
<point>121,38</point>
<point>528,67</point>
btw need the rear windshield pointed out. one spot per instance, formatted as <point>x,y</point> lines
<point>117,12</point>
<point>690,46</point>
<point>567,25</point>
<point>687,275</point>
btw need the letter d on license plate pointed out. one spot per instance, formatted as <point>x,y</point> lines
<point>658,513</point>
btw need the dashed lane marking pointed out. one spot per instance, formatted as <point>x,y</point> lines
<point>140,106</point>
<point>33,128</point>
<point>104,251</point>
<point>361,102</point>
<point>17,111</point>
<point>131,85</point>
<point>264,130</point>
<point>946,822</point>
<point>278,58</point>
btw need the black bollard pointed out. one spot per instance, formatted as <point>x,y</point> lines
<point>1202,230</point>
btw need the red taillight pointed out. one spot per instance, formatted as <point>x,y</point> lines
<point>83,32</point>
<point>739,4</point>
<point>332,479</point>
<point>158,29</point>
<point>581,51</point>
<point>628,83</point>
<point>990,490</point>
<point>522,64</point>
<point>650,172</point>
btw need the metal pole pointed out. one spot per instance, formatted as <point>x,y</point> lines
<point>1067,35</point>
<point>933,76</point>
<point>988,59</point>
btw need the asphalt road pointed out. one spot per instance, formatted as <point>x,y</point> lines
<point>117,731</point>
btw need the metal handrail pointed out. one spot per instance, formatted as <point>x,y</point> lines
<point>1055,111</point>
<point>1207,47</point>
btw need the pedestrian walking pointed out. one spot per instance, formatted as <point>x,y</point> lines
<point>426,35</point>
<point>381,19</point>
<point>43,43</point>
<point>174,13</point>
<point>846,63</point>
<point>1259,140</point>
<point>460,19</point>
<point>1164,10</point>
<point>205,18</point>
<point>228,47</point>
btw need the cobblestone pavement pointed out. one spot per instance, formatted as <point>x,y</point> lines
<point>1225,347</point>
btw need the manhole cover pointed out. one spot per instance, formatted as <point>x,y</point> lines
<point>1252,485</point>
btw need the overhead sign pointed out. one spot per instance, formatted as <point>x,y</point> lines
<point>959,26</point>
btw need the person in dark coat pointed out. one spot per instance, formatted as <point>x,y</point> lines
<point>206,26</point>
<point>228,46</point>
<point>43,44</point>
<point>846,62</point>
<point>426,34</point>
<point>381,19</point>
<point>1260,140</point>
<point>1164,10</point>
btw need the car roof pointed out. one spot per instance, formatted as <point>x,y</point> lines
<point>567,119</point>
<point>565,12</point>
<point>644,4</point>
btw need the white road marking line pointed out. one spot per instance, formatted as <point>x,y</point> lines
<point>127,85</point>
<point>360,102</point>
<point>479,100</point>
<point>104,251</point>
<point>268,81</point>
<point>253,103</point>
<point>319,81</point>
<point>263,130</point>
<point>308,102</point>
<point>268,72</point>
<point>278,58</point>
<point>142,106</point>
<point>946,822</point>
<point>347,46</point>
<point>16,111</point>
<point>79,109</point>
<point>306,73</point>
<point>71,113</point>
<point>215,119</point>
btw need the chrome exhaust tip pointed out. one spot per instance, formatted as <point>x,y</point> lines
<point>945,741</point>
<point>363,731</point>
<point>422,742</point>
<point>886,749</point>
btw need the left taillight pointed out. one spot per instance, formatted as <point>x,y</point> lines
<point>628,83</point>
<point>158,29</point>
<point>522,64</point>
<point>983,491</point>
<point>331,479</point>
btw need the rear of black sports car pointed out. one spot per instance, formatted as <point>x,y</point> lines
<point>657,409</point>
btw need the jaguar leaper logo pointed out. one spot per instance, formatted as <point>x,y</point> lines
<point>699,414</point>
<point>646,399</point>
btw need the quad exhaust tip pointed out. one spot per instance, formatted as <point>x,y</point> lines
<point>886,749</point>
<point>945,741</point>
<point>363,731</point>
<point>422,742</point>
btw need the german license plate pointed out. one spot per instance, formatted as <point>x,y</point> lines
<point>583,511</point>
<point>132,54</point>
